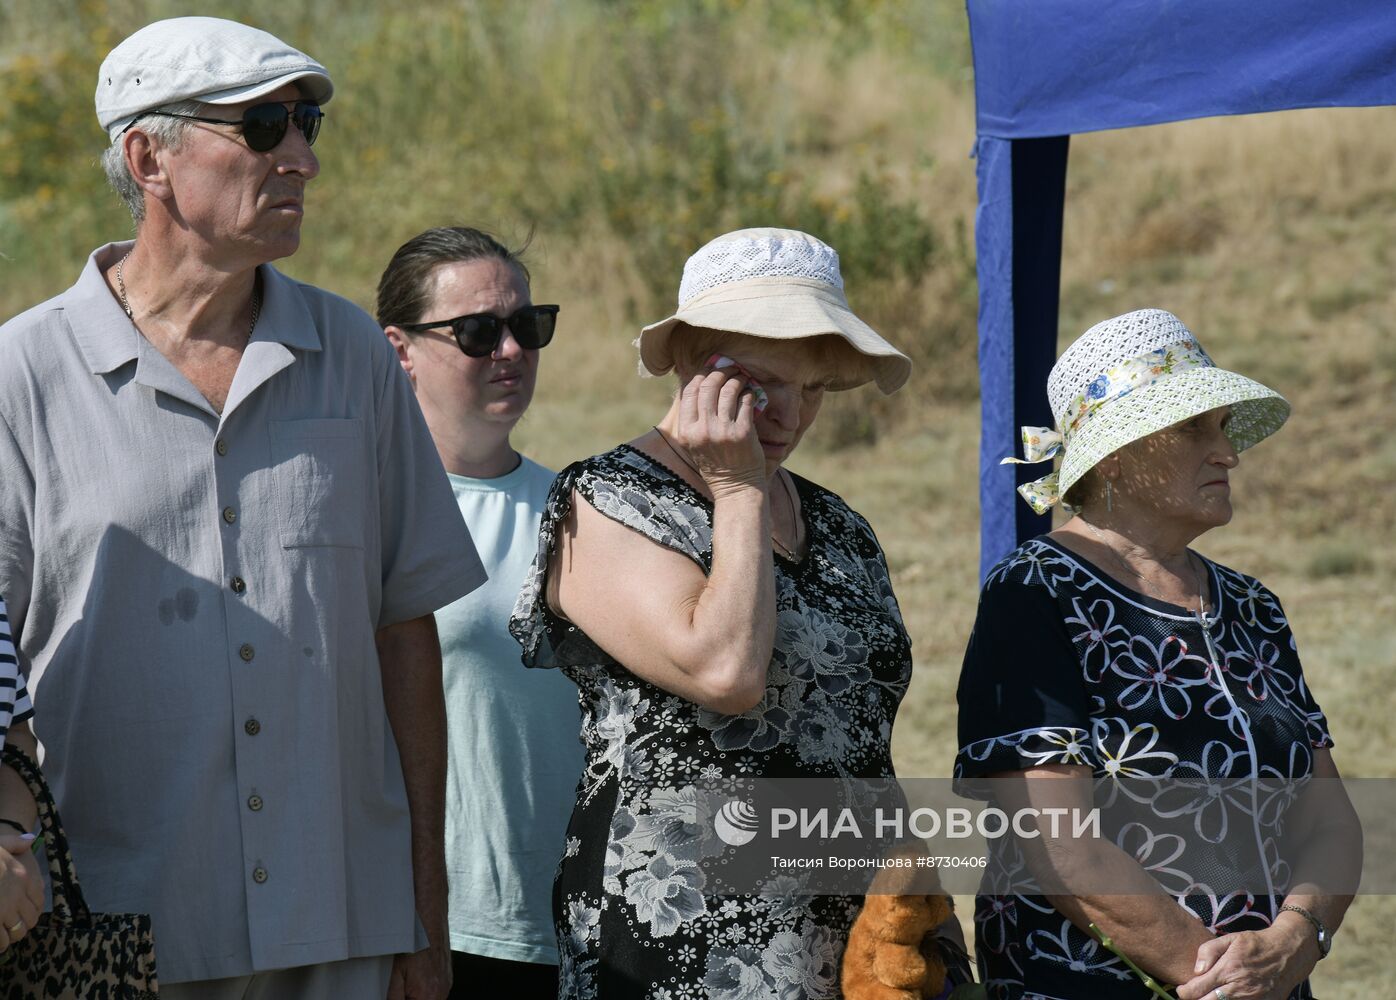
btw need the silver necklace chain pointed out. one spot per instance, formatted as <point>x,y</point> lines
<point>126,305</point>
<point>785,550</point>
<point>1196,573</point>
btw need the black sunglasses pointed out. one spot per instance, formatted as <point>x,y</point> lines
<point>263,125</point>
<point>480,333</point>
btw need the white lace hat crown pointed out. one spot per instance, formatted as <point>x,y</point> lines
<point>1106,346</point>
<point>759,253</point>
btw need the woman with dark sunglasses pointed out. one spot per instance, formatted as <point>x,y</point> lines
<point>455,302</point>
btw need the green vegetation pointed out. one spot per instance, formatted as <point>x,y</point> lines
<point>625,133</point>
<point>637,128</point>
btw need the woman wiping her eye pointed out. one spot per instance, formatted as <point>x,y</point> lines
<point>723,620</point>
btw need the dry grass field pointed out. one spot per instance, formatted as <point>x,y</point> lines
<point>626,133</point>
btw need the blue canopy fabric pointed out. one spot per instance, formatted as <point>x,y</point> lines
<point>1046,69</point>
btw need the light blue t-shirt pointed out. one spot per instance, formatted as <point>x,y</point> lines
<point>513,752</point>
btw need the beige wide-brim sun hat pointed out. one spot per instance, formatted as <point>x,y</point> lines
<point>1129,377</point>
<point>779,284</point>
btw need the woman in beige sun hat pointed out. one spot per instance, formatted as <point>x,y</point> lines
<point>724,620</point>
<point>1166,685</point>
<point>775,284</point>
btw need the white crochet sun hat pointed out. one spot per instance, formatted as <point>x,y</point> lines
<point>1126,378</point>
<point>775,283</point>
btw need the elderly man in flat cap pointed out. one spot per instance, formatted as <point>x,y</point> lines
<point>224,529</point>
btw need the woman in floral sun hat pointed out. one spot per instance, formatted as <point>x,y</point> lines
<point>1165,688</point>
<point>724,620</point>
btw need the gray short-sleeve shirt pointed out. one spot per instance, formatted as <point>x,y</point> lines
<point>194,598</point>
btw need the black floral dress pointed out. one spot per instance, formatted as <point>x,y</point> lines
<point>1203,728</point>
<point>633,919</point>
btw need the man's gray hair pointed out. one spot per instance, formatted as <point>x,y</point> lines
<point>169,132</point>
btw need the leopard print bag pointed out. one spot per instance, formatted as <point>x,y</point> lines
<point>73,953</point>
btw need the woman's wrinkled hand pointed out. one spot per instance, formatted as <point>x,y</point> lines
<point>21,889</point>
<point>716,426</point>
<point>1251,965</point>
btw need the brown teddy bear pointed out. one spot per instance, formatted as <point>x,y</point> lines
<point>892,952</point>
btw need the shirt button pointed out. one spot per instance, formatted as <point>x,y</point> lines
<point>247,652</point>
<point>238,584</point>
<point>221,446</point>
<point>259,874</point>
<point>252,727</point>
<point>254,803</point>
<point>229,515</point>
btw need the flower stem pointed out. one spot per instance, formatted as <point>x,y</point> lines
<point>1148,980</point>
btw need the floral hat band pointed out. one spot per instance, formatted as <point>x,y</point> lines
<point>1133,374</point>
<point>1125,379</point>
<point>1040,444</point>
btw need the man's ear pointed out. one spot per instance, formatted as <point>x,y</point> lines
<point>403,345</point>
<point>145,161</point>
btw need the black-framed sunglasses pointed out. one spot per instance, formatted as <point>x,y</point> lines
<point>479,334</point>
<point>263,125</point>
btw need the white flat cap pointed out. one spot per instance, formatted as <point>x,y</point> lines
<point>208,59</point>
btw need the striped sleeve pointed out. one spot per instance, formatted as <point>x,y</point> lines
<point>14,696</point>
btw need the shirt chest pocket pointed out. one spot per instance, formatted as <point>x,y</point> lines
<point>321,481</point>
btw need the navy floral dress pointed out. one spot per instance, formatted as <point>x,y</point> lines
<point>1205,743</point>
<point>633,919</point>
